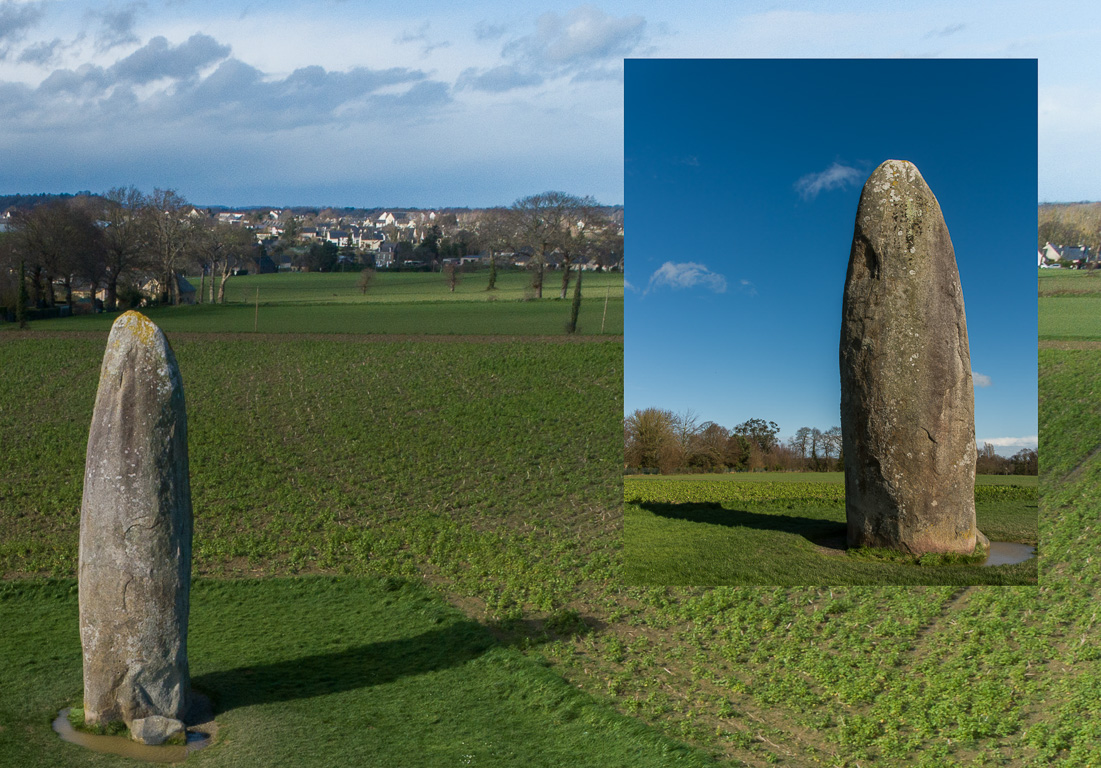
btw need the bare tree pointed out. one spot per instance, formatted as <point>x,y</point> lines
<point>577,239</point>
<point>686,425</point>
<point>451,274</point>
<point>124,236</point>
<point>828,445</point>
<point>223,248</point>
<point>59,241</point>
<point>546,223</point>
<point>366,279</point>
<point>496,229</point>
<point>171,233</point>
<point>800,441</point>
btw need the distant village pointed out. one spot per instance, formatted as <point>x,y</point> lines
<point>1065,256</point>
<point>1068,235</point>
<point>85,252</point>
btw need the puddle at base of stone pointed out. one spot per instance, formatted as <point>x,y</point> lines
<point>1008,553</point>
<point>198,737</point>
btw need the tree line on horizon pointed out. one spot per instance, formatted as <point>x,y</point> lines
<point>658,440</point>
<point>1069,224</point>
<point>664,442</point>
<point>114,241</point>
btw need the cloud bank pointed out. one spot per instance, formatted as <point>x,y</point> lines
<point>981,379</point>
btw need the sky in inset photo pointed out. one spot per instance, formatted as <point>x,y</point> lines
<point>742,179</point>
<point>426,103</point>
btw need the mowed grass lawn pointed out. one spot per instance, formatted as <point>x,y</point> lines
<point>789,529</point>
<point>397,303</point>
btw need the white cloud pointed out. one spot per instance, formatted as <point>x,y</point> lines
<point>582,43</point>
<point>686,275</point>
<point>834,177</point>
<point>981,379</point>
<point>1030,441</point>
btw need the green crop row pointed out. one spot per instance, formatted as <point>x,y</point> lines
<point>685,491</point>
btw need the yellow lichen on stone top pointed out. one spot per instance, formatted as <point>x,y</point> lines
<point>141,326</point>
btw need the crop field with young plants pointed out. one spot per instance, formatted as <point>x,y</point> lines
<point>401,501</point>
<point>404,303</point>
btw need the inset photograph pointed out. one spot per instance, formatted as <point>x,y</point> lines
<point>830,322</point>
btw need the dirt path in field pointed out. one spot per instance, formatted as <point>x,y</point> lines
<point>363,338</point>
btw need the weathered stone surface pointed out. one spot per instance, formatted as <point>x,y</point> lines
<point>155,729</point>
<point>135,533</point>
<point>907,399</point>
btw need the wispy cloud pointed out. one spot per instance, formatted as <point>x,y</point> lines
<point>485,30</point>
<point>420,35</point>
<point>744,286</point>
<point>585,34</point>
<point>497,80</point>
<point>1030,441</point>
<point>981,379</point>
<point>584,44</point>
<point>686,275</point>
<point>945,31</point>
<point>834,177</point>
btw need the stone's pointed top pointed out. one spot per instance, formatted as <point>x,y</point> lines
<point>898,166</point>
<point>138,325</point>
<point>895,192</point>
<point>895,171</point>
<point>135,341</point>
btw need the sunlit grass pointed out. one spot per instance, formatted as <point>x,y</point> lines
<point>327,671</point>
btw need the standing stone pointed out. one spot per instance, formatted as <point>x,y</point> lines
<point>907,400</point>
<point>135,533</point>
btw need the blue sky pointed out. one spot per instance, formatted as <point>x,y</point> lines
<point>426,104</point>
<point>742,182</point>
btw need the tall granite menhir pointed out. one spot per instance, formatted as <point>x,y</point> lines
<point>907,399</point>
<point>135,538</point>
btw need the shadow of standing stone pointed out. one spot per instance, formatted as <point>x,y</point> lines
<point>135,537</point>
<point>907,398</point>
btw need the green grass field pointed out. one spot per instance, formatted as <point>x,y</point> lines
<point>328,671</point>
<point>789,529</point>
<point>398,303</point>
<point>1070,304</point>
<point>387,287</point>
<point>466,496</point>
<point>1068,282</point>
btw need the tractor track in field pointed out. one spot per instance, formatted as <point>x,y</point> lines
<point>362,338</point>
